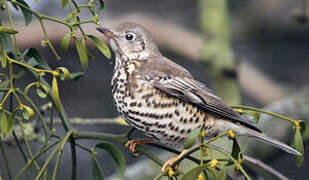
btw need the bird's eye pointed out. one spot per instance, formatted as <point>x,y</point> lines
<point>130,36</point>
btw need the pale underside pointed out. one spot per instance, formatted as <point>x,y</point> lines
<point>156,113</point>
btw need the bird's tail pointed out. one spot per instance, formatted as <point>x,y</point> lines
<point>269,140</point>
<point>242,130</point>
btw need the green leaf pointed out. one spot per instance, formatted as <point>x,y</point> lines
<point>28,112</point>
<point>65,42</point>
<point>64,3</point>
<point>6,42</point>
<point>84,44</point>
<point>193,173</point>
<point>81,50</point>
<point>236,149</point>
<point>11,122</point>
<point>97,173</point>
<point>4,124</point>
<point>101,6</point>
<point>7,30</point>
<point>27,14</point>
<point>116,154</point>
<point>76,76</point>
<point>255,116</point>
<point>41,93</point>
<point>45,89</point>
<point>34,53</point>
<point>191,140</point>
<point>69,18</point>
<point>298,145</point>
<point>101,46</point>
<point>222,174</point>
<point>4,83</point>
<point>55,91</point>
<point>65,72</point>
<point>3,58</point>
<point>302,127</point>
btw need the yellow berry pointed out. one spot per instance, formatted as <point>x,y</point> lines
<point>170,172</point>
<point>213,164</point>
<point>200,177</point>
<point>231,134</point>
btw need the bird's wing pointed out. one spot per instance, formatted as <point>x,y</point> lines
<point>190,90</point>
<point>177,81</point>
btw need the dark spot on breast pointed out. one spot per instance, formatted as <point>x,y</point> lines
<point>185,120</point>
<point>162,126</point>
<point>176,112</point>
<point>145,96</point>
<point>159,132</point>
<point>181,119</point>
<point>132,104</point>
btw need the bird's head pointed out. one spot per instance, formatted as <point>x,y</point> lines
<point>130,40</point>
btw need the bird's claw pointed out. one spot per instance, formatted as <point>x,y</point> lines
<point>131,145</point>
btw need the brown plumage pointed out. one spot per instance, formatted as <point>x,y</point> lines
<point>162,99</point>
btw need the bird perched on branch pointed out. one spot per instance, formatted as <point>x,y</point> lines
<point>161,98</point>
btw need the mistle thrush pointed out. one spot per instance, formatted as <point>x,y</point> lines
<point>161,98</point>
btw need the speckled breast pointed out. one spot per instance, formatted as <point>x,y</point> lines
<point>155,113</point>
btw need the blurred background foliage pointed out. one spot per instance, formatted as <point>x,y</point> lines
<point>269,41</point>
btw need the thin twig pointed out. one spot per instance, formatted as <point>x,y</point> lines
<point>6,161</point>
<point>14,134</point>
<point>30,161</point>
<point>58,149</point>
<point>73,156</point>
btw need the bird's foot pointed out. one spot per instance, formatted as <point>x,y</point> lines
<point>132,144</point>
<point>172,161</point>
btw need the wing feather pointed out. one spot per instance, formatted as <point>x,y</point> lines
<point>190,90</point>
<point>175,80</point>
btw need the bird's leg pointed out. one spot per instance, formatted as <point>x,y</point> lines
<point>132,144</point>
<point>171,161</point>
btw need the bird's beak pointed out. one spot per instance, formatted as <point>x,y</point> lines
<point>108,33</point>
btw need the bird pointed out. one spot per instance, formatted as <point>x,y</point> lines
<point>163,100</point>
